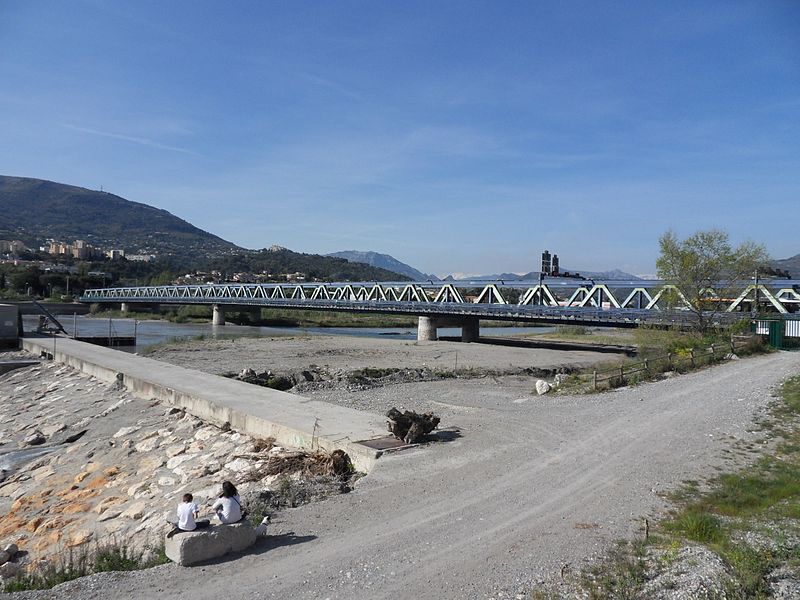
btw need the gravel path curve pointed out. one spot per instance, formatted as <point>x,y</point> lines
<point>531,484</point>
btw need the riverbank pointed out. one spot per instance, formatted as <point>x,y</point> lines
<point>125,473</point>
<point>524,488</point>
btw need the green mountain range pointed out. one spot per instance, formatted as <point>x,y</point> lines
<point>36,210</point>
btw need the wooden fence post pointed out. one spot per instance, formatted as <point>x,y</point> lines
<point>691,355</point>
<point>733,346</point>
<point>669,360</point>
<point>594,379</point>
<point>621,375</point>
<point>646,366</point>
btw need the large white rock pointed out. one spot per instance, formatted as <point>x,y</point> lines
<point>179,460</point>
<point>148,445</point>
<point>126,431</point>
<point>192,547</point>
<point>206,433</point>
<point>542,387</point>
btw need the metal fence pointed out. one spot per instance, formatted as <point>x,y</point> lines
<point>780,333</point>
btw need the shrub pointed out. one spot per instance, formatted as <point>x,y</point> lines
<point>79,562</point>
<point>697,525</point>
<point>573,330</point>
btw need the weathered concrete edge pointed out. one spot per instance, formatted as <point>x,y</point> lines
<point>363,457</point>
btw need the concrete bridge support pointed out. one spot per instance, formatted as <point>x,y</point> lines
<point>125,307</point>
<point>427,329</point>
<point>219,315</point>
<point>470,329</point>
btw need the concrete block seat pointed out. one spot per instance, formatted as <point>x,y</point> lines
<point>191,547</point>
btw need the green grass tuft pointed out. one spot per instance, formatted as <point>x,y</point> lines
<point>75,563</point>
<point>696,525</point>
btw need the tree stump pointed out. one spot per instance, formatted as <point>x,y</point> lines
<point>410,426</point>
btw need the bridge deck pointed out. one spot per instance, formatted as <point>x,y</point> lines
<point>256,411</point>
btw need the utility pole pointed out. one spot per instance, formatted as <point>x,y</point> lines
<point>755,307</point>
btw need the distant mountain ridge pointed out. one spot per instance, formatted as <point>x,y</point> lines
<point>614,274</point>
<point>388,262</point>
<point>383,261</point>
<point>791,264</point>
<point>35,210</point>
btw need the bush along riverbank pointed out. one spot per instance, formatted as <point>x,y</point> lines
<point>665,354</point>
<point>734,537</point>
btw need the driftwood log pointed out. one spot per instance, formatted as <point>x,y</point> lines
<point>410,426</point>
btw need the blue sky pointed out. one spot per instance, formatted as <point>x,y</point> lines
<point>456,136</point>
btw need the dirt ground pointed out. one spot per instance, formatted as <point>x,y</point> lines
<point>281,354</point>
<point>518,489</point>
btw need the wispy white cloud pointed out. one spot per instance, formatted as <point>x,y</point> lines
<point>130,138</point>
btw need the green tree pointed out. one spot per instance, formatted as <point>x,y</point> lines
<point>26,278</point>
<point>708,270</point>
<point>162,278</point>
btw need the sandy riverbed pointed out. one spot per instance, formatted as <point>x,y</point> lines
<point>286,354</point>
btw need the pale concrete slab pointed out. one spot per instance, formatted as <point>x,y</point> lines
<point>260,412</point>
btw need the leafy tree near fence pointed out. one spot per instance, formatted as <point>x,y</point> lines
<point>707,270</point>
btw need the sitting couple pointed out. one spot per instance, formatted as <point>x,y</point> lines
<point>228,509</point>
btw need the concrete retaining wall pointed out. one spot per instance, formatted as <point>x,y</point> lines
<point>259,412</point>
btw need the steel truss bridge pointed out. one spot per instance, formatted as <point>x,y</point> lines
<point>604,303</point>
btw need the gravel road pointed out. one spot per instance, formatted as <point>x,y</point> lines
<point>526,486</point>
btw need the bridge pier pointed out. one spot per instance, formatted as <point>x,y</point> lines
<point>427,329</point>
<point>470,329</point>
<point>125,307</point>
<point>218,315</point>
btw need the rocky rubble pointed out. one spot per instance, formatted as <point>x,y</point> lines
<point>316,378</point>
<point>119,480</point>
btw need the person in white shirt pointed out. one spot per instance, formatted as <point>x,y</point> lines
<point>229,509</point>
<point>187,513</point>
<point>228,506</point>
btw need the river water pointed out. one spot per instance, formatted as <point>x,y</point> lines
<point>148,333</point>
